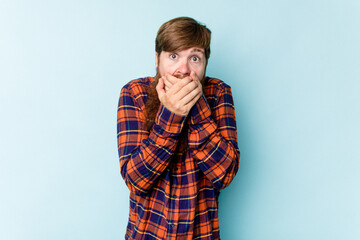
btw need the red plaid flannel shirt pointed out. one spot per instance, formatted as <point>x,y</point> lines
<point>174,194</point>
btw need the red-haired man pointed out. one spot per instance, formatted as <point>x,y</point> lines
<point>177,139</point>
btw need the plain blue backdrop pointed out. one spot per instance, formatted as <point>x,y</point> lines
<point>294,69</point>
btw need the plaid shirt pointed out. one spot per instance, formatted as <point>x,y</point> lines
<point>174,193</point>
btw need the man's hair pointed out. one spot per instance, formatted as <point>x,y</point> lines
<point>182,33</point>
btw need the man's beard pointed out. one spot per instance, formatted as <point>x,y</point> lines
<point>152,106</point>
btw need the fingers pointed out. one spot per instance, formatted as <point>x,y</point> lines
<point>191,98</point>
<point>184,105</point>
<point>172,79</point>
<point>160,88</point>
<point>190,104</point>
<point>168,84</point>
<point>169,81</point>
<point>194,77</point>
<point>179,95</point>
<point>187,89</point>
<point>178,86</point>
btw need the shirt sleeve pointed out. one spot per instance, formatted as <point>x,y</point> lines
<point>144,155</point>
<point>213,139</point>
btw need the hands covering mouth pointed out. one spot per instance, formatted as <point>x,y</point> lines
<point>179,93</point>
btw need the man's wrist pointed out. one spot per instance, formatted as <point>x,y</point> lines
<point>169,121</point>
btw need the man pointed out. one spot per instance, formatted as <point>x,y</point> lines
<point>177,139</point>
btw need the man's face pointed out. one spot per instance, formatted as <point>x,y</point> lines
<point>180,64</point>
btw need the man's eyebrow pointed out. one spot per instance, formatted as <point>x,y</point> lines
<point>198,50</point>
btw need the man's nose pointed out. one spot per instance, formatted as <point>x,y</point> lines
<point>184,68</point>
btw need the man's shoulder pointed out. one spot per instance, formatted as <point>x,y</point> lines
<point>139,83</point>
<point>215,83</point>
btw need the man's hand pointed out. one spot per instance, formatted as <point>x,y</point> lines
<point>170,80</point>
<point>179,95</point>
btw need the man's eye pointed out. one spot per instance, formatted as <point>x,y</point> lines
<point>173,56</point>
<point>195,59</point>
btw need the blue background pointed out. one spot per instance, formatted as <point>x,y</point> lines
<point>294,68</point>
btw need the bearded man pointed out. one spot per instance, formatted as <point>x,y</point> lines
<point>177,139</point>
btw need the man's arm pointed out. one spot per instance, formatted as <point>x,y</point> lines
<point>213,139</point>
<point>143,155</point>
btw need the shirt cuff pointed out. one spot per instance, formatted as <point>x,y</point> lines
<point>169,121</point>
<point>200,111</point>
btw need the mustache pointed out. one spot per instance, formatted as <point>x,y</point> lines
<point>177,75</point>
<point>180,76</point>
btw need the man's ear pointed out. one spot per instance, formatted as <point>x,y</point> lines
<point>156,60</point>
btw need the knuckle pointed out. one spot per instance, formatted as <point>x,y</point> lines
<point>187,88</point>
<point>177,106</point>
<point>191,86</point>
